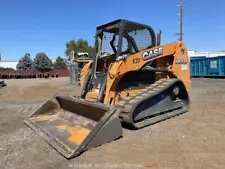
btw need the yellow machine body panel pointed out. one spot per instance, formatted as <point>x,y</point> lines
<point>173,56</point>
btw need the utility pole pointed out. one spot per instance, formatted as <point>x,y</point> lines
<point>181,21</point>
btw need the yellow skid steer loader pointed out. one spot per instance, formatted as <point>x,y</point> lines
<point>133,81</point>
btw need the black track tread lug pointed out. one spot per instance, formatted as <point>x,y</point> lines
<point>128,98</point>
<point>144,94</point>
<point>128,108</point>
<point>122,103</point>
<point>140,97</point>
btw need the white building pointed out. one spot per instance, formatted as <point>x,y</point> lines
<point>8,64</point>
<point>193,53</point>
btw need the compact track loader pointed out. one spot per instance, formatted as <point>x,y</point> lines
<point>133,81</point>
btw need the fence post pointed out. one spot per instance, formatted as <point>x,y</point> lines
<point>76,73</point>
<point>73,73</point>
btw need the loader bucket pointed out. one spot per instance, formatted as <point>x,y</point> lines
<point>73,125</point>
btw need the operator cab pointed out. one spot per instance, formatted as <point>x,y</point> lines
<point>119,39</point>
<point>114,41</point>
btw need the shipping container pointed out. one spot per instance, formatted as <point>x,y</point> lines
<point>197,57</point>
<point>217,66</point>
<point>208,67</point>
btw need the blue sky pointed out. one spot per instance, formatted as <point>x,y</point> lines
<point>46,25</point>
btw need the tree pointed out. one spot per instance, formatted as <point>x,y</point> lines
<point>59,63</point>
<point>80,46</point>
<point>7,68</point>
<point>83,46</point>
<point>25,63</point>
<point>42,62</point>
<point>70,46</point>
<point>91,51</point>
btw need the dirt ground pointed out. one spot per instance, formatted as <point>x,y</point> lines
<point>195,140</point>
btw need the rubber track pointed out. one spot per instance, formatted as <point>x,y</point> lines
<point>130,103</point>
